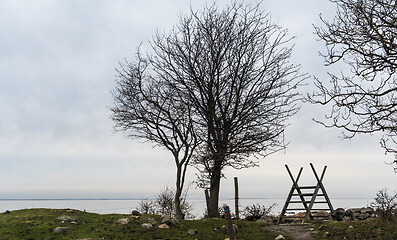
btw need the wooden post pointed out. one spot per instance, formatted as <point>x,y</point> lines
<point>236,198</point>
<point>229,224</point>
<point>207,197</point>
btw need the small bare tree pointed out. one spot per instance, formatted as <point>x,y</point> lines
<point>147,108</point>
<point>385,204</point>
<point>363,35</point>
<point>147,206</point>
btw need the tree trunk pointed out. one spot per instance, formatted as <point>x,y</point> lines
<point>178,192</point>
<point>213,200</point>
<point>178,210</point>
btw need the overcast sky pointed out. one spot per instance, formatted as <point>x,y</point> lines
<point>57,67</point>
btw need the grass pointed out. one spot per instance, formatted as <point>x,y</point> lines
<point>39,224</point>
<point>368,229</point>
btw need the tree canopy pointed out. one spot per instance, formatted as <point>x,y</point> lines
<point>363,36</point>
<point>228,74</point>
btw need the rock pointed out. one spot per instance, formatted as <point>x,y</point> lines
<point>279,237</point>
<point>73,222</point>
<point>7,212</point>
<point>152,221</point>
<point>67,218</point>
<point>322,214</point>
<point>123,221</point>
<point>349,213</point>
<point>224,228</point>
<point>356,215</point>
<point>350,227</point>
<point>136,213</point>
<point>146,226</point>
<point>163,226</point>
<point>368,210</point>
<point>60,229</point>
<point>169,220</point>
<point>339,213</point>
<point>326,234</point>
<point>347,218</point>
<point>265,219</point>
<point>192,232</point>
<point>364,216</point>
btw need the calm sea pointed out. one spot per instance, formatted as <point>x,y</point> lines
<point>125,206</point>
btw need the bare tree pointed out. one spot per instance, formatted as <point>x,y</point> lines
<point>233,67</point>
<point>147,108</point>
<point>226,74</point>
<point>385,204</point>
<point>363,35</point>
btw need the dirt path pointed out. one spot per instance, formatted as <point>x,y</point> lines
<point>296,231</point>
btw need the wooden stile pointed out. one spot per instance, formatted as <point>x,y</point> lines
<point>317,191</point>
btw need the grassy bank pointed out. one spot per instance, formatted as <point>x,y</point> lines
<point>40,223</point>
<point>368,229</point>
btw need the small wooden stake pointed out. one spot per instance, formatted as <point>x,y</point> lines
<point>207,197</point>
<point>236,198</point>
<point>230,229</point>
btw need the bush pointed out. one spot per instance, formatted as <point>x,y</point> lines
<point>164,204</point>
<point>147,206</point>
<point>385,204</point>
<point>256,211</point>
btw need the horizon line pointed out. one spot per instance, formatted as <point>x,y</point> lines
<point>115,199</point>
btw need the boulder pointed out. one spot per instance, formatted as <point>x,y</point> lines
<point>169,220</point>
<point>192,232</point>
<point>67,218</point>
<point>326,234</point>
<point>136,213</point>
<point>364,216</point>
<point>123,221</point>
<point>339,213</point>
<point>356,215</point>
<point>60,230</point>
<point>163,226</point>
<point>368,210</point>
<point>349,213</point>
<point>279,237</point>
<point>265,219</point>
<point>347,218</point>
<point>7,212</point>
<point>146,226</point>
<point>152,221</point>
<point>224,228</point>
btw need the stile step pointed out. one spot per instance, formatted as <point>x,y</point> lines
<point>306,187</point>
<point>307,194</point>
